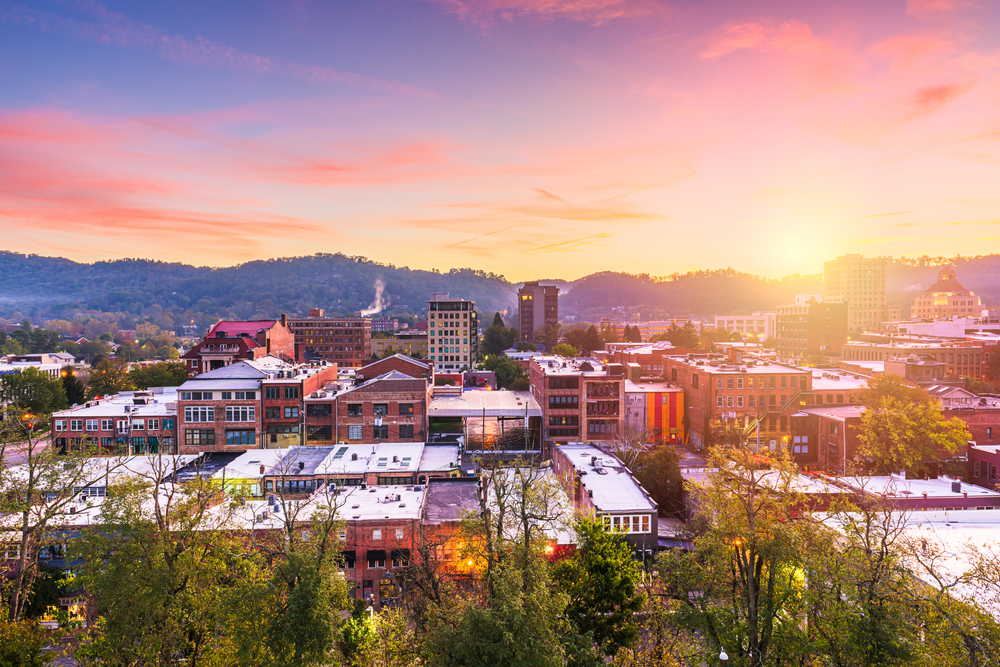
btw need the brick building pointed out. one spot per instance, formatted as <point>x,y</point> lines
<point>717,389</point>
<point>826,437</point>
<point>582,400</point>
<point>389,408</point>
<point>415,368</point>
<point>230,341</point>
<point>411,343</point>
<point>345,341</point>
<point>453,332</point>
<point>810,329</point>
<point>132,422</point>
<point>538,305</point>
<point>227,409</point>
<point>964,358</point>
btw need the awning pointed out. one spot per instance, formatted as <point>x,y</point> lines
<point>376,554</point>
<point>401,554</point>
<point>349,557</point>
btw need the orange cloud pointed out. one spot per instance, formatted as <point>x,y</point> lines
<point>486,13</point>
<point>912,50</point>
<point>931,98</point>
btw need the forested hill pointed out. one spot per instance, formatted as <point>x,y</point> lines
<point>44,288</point>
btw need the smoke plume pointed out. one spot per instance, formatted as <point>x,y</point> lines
<point>378,304</point>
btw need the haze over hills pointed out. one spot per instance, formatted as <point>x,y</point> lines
<point>42,288</point>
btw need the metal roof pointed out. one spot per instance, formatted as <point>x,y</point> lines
<point>495,403</point>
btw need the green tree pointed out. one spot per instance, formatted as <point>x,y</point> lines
<point>497,339</point>
<point>526,347</point>
<point>740,587</point>
<point>564,350</point>
<point>506,370</point>
<point>903,428</point>
<point>577,338</point>
<point>498,321</point>
<point>601,580</point>
<point>22,644</point>
<point>76,393</point>
<point>592,341</point>
<point>547,335</point>
<point>32,391</point>
<point>163,374</point>
<point>109,377</point>
<point>659,472</point>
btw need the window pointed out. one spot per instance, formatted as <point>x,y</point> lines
<point>739,383</point>
<point>376,559</point>
<point>168,424</point>
<point>989,432</point>
<point>800,444</point>
<point>195,437</point>
<point>405,409</point>
<point>199,414</point>
<point>292,412</point>
<point>729,401</point>
<point>319,410</point>
<point>749,383</point>
<point>399,533</point>
<point>138,424</point>
<point>153,425</point>
<point>750,401</point>
<point>564,383</point>
<point>353,409</point>
<point>406,431</point>
<point>241,438</point>
<point>380,409</point>
<point>60,424</point>
<point>92,424</point>
<point>729,383</point>
<point>381,432</point>
<point>291,392</point>
<point>975,467</point>
<point>564,402</point>
<point>354,432</point>
<point>377,534</point>
<point>227,395</point>
<point>770,382</point>
<point>719,401</point>
<point>272,392</point>
<point>718,383</point>
<point>272,412</point>
<point>76,424</point>
<point>784,382</point>
<point>240,413</point>
<point>627,524</point>
<point>739,401</point>
<point>793,382</point>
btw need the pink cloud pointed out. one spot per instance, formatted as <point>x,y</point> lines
<point>912,50</point>
<point>930,8</point>
<point>928,99</point>
<point>486,13</point>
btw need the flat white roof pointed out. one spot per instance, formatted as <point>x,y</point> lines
<point>896,486</point>
<point>162,404</point>
<point>496,404</point>
<point>614,489</point>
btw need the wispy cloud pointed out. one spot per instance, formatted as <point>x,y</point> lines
<point>487,13</point>
<point>95,23</point>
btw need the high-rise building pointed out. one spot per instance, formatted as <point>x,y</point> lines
<point>860,283</point>
<point>810,328</point>
<point>538,305</point>
<point>452,332</point>
<point>346,341</point>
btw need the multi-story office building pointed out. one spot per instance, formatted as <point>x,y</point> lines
<point>759,323</point>
<point>858,282</point>
<point>538,305</point>
<point>947,298</point>
<point>582,400</point>
<point>452,332</point>
<point>964,358</point>
<point>411,343</point>
<point>809,329</point>
<point>345,341</point>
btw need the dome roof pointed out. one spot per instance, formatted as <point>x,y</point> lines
<point>947,282</point>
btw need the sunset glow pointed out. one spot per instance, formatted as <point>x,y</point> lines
<point>533,138</point>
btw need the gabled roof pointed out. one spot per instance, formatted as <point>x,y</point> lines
<point>941,391</point>
<point>234,328</point>
<point>238,370</point>
<point>415,362</point>
<point>391,375</point>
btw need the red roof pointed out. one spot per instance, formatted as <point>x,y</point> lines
<point>233,328</point>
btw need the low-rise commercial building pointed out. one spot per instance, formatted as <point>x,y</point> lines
<point>132,422</point>
<point>582,400</point>
<point>230,341</point>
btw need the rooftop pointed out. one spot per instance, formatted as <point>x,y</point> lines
<point>494,403</point>
<point>161,403</point>
<point>828,379</point>
<point>613,487</point>
<point>449,499</point>
<point>838,412</point>
<point>716,363</point>
<point>897,486</point>
<point>586,366</point>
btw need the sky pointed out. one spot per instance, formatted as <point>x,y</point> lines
<point>530,138</point>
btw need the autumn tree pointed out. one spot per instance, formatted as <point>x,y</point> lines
<point>109,377</point>
<point>903,428</point>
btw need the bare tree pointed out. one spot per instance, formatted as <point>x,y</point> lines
<point>629,442</point>
<point>39,490</point>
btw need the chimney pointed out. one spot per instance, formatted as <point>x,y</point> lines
<point>284,320</point>
<point>302,465</point>
<point>261,468</point>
